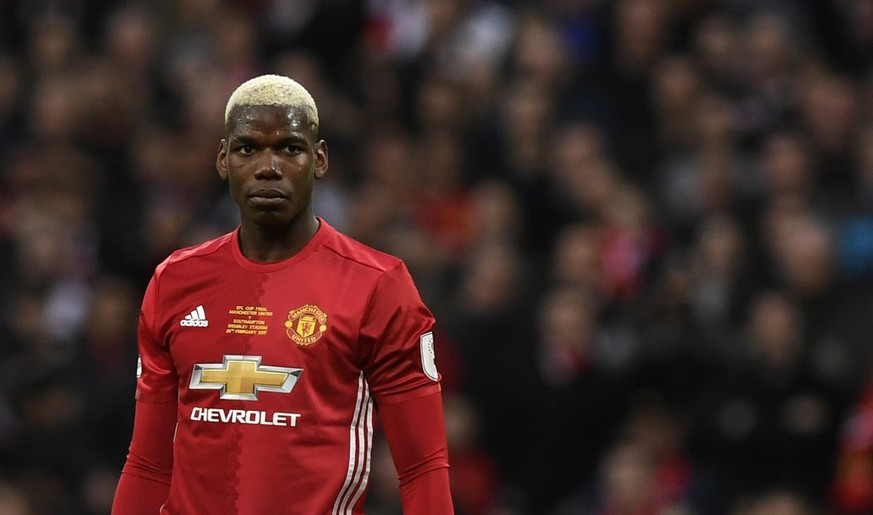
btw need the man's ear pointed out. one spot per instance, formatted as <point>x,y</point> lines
<point>321,160</point>
<point>221,159</point>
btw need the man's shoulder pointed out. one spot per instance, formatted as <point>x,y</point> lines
<point>205,249</point>
<point>348,248</point>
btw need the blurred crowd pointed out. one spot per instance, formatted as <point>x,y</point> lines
<point>645,228</point>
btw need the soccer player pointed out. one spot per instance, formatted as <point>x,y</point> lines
<point>265,353</point>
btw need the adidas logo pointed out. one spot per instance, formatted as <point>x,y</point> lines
<point>196,318</point>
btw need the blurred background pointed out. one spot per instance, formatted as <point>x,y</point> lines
<point>645,228</point>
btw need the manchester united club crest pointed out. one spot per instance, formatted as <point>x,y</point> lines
<point>306,324</point>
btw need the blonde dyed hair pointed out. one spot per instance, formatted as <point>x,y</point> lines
<point>272,90</point>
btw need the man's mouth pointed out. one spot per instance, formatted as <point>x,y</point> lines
<point>267,197</point>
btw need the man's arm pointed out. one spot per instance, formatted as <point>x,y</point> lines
<point>145,478</point>
<point>416,434</point>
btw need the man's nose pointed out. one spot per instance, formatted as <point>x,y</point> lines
<point>269,166</point>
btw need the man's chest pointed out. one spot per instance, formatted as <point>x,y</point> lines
<point>253,342</point>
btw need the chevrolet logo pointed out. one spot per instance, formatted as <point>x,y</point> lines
<point>240,378</point>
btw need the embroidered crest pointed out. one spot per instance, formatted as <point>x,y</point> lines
<point>306,324</point>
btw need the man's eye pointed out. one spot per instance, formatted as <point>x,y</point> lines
<point>293,149</point>
<point>245,149</point>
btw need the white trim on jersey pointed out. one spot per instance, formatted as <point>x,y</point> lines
<point>360,446</point>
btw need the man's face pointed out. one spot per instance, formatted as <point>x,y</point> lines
<point>271,160</point>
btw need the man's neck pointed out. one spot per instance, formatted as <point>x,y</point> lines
<point>268,245</point>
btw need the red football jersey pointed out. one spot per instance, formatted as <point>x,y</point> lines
<point>277,368</point>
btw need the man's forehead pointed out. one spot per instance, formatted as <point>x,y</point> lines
<point>255,118</point>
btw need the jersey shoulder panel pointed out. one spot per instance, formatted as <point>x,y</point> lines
<point>351,249</point>
<point>194,251</point>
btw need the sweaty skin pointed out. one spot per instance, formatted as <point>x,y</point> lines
<point>271,160</point>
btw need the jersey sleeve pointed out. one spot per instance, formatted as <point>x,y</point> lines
<point>416,434</point>
<point>144,483</point>
<point>145,479</point>
<point>398,329</point>
<point>157,380</point>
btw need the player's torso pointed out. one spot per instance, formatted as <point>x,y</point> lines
<point>272,398</point>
